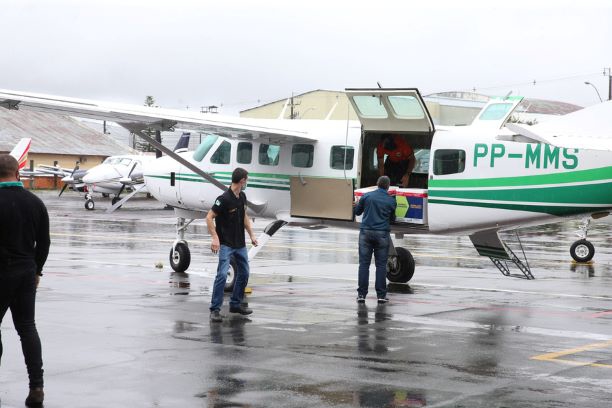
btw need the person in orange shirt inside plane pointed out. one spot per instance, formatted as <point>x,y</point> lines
<point>400,159</point>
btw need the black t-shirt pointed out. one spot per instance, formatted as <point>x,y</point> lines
<point>230,218</point>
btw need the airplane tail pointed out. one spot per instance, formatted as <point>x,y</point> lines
<point>20,151</point>
<point>183,143</point>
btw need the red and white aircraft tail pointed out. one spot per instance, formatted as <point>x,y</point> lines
<point>20,152</point>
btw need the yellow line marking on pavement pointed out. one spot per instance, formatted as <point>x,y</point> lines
<point>554,357</point>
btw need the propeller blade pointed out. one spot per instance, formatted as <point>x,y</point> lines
<point>63,189</point>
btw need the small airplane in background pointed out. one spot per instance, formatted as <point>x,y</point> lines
<point>112,177</point>
<point>479,180</point>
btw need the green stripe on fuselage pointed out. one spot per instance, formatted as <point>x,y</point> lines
<point>603,173</point>
<point>600,193</point>
<point>545,209</point>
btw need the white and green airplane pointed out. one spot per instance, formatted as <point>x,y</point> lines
<point>475,180</point>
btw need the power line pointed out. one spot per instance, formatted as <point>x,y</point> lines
<point>536,82</point>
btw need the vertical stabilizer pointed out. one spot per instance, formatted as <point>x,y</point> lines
<point>20,152</point>
<point>183,143</point>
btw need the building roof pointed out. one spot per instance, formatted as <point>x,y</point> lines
<point>546,107</point>
<point>295,96</point>
<point>53,134</point>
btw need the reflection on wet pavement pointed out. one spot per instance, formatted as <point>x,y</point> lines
<point>459,335</point>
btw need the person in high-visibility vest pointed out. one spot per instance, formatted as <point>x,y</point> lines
<point>399,162</point>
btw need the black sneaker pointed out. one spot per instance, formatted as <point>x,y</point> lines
<point>216,316</point>
<point>35,397</point>
<point>382,301</point>
<point>243,310</point>
<point>360,299</point>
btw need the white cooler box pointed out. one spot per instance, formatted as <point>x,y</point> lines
<point>411,203</point>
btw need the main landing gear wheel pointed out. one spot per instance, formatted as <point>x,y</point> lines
<point>89,204</point>
<point>582,250</point>
<point>115,200</point>
<point>180,257</point>
<point>231,276</point>
<point>400,268</point>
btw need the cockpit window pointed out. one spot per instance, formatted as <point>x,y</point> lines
<point>222,154</point>
<point>114,161</point>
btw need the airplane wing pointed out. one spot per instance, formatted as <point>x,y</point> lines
<point>588,128</point>
<point>134,117</point>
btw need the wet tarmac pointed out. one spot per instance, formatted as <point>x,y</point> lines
<point>118,331</point>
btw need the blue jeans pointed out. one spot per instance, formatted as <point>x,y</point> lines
<point>241,257</point>
<point>377,242</point>
<point>18,293</point>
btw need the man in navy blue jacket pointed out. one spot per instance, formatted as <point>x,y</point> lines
<point>378,209</point>
<point>24,246</point>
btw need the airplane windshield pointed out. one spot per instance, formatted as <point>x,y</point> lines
<point>114,161</point>
<point>204,147</point>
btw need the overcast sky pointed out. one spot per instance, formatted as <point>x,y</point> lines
<point>237,54</point>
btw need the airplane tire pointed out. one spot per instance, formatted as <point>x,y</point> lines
<point>231,276</point>
<point>180,258</point>
<point>105,195</point>
<point>89,205</point>
<point>400,268</point>
<point>115,200</point>
<point>582,250</point>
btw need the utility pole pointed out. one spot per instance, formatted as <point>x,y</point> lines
<point>609,82</point>
<point>294,114</point>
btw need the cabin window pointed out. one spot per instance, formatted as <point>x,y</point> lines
<point>370,106</point>
<point>341,157</point>
<point>222,154</point>
<point>269,154</point>
<point>245,153</point>
<point>204,147</point>
<point>448,161</point>
<point>302,155</point>
<point>421,157</point>
<point>406,107</point>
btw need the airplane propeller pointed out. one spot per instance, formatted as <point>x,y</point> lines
<point>123,185</point>
<point>76,167</point>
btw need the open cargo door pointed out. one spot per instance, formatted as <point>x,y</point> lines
<point>324,198</point>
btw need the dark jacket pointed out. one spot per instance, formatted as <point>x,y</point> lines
<point>24,227</point>
<point>378,209</point>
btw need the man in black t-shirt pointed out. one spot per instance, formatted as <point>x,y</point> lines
<point>226,222</point>
<point>24,246</point>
